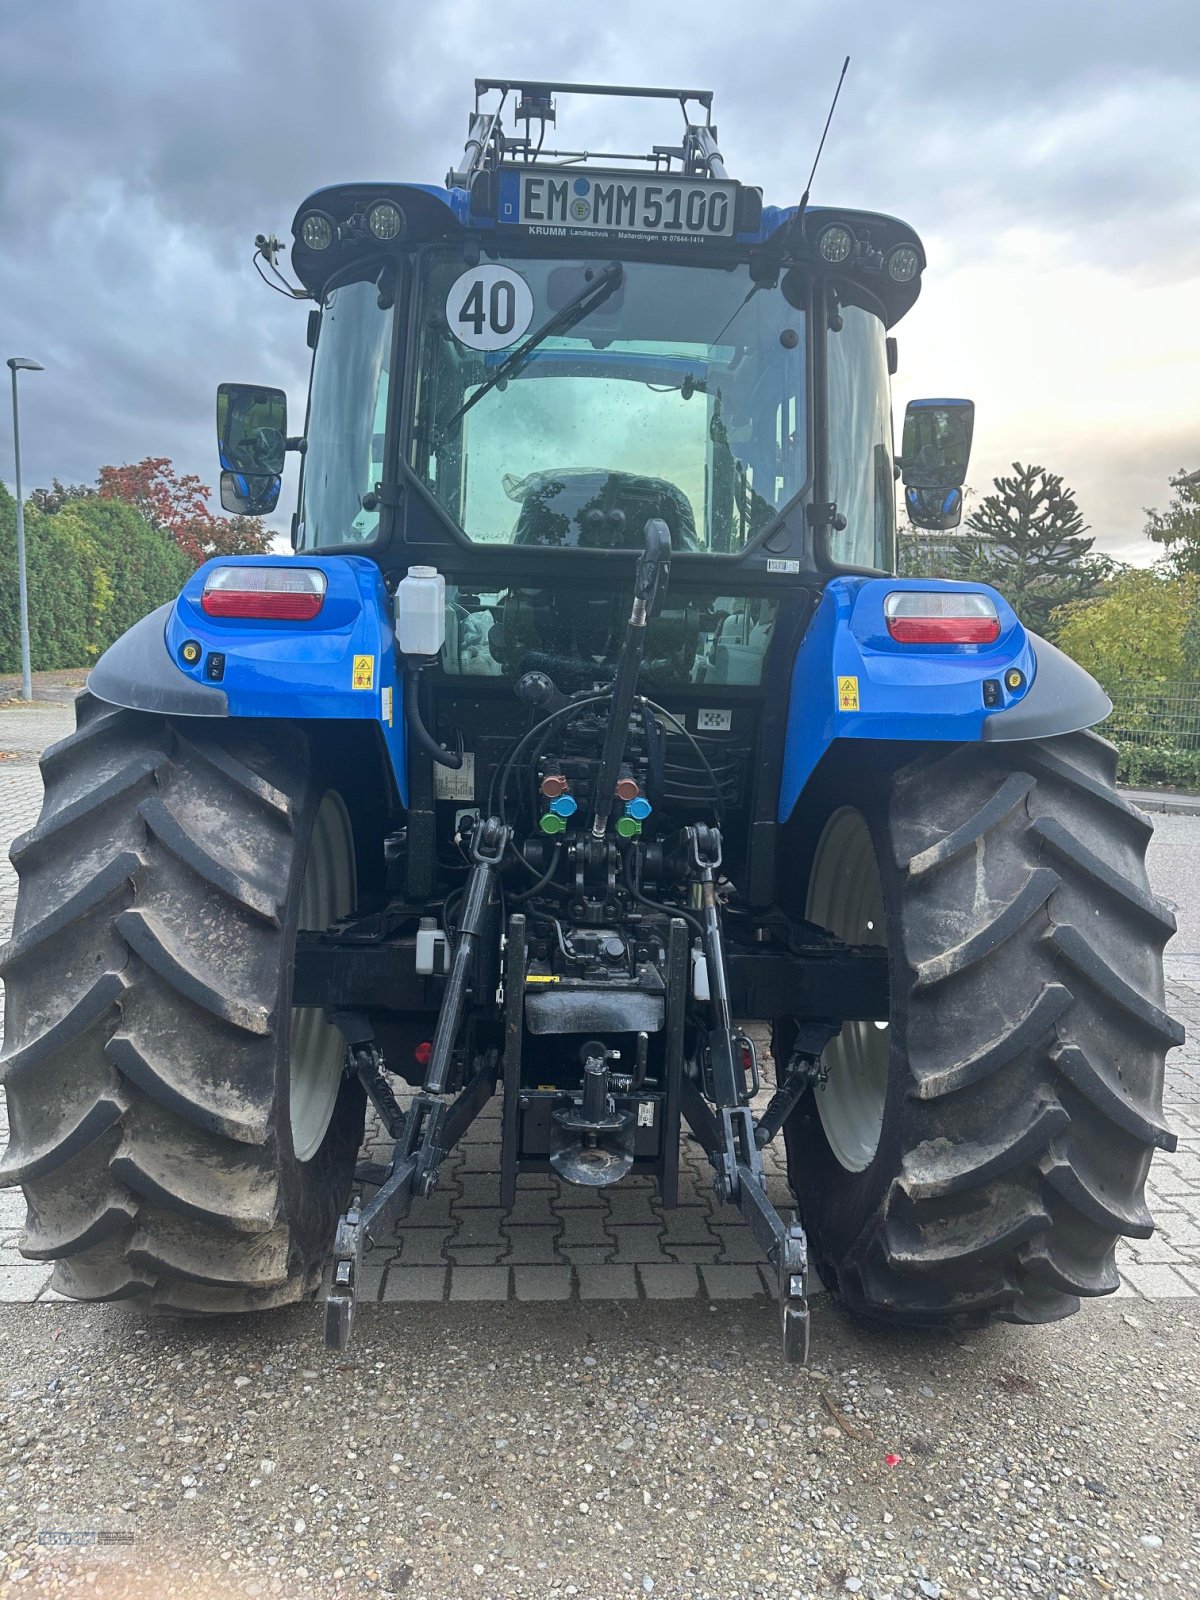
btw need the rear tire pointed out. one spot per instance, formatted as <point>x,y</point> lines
<point>1023,1092</point>
<point>149,1034</point>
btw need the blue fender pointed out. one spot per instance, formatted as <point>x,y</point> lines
<point>852,680</point>
<point>340,666</point>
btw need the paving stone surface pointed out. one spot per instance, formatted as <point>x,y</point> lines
<point>561,1240</point>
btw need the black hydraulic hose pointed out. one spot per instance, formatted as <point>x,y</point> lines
<point>648,587</point>
<point>653,905</point>
<point>712,777</point>
<point>617,732</point>
<point>563,712</point>
<point>421,735</point>
<point>541,883</point>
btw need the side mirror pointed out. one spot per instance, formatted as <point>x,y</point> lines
<point>252,443</point>
<point>935,454</point>
<point>933,508</point>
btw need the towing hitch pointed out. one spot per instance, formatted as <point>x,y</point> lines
<point>728,1134</point>
<point>592,1132</point>
<point>430,1129</point>
<point>737,1161</point>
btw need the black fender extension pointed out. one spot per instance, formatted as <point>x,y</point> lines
<point>138,673</point>
<point>1062,698</point>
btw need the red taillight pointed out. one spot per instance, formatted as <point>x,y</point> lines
<point>277,594</point>
<point>936,617</point>
<point>943,630</point>
<point>246,603</point>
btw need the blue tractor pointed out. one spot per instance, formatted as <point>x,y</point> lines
<point>586,721</point>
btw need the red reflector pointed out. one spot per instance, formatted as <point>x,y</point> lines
<point>423,1052</point>
<point>944,630</point>
<point>261,603</point>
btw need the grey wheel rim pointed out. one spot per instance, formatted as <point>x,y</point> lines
<point>317,1048</point>
<point>845,896</point>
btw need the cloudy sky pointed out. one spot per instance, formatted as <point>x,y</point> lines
<point>1048,151</point>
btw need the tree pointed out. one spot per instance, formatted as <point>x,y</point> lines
<point>56,497</point>
<point>95,567</point>
<point>61,617</point>
<point>1028,540</point>
<point>1177,528</point>
<point>922,554</point>
<point>137,566</point>
<point>179,506</point>
<point>1143,627</point>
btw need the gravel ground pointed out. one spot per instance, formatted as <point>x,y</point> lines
<point>644,1450</point>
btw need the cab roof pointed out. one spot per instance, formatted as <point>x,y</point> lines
<point>432,214</point>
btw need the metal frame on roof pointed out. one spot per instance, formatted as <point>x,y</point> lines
<point>488,146</point>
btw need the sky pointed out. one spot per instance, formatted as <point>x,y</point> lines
<point>1047,151</point>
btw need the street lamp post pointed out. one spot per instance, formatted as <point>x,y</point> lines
<point>22,364</point>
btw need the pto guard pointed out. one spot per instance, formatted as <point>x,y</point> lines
<point>852,680</point>
<point>339,666</point>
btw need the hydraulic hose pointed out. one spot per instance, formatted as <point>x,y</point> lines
<point>648,587</point>
<point>421,735</point>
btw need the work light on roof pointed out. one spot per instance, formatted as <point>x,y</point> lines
<point>316,231</point>
<point>835,244</point>
<point>903,264</point>
<point>385,221</point>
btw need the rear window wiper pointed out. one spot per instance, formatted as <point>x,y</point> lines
<point>593,294</point>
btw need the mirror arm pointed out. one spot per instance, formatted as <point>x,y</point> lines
<point>296,442</point>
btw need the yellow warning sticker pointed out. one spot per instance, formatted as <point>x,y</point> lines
<point>387,705</point>
<point>364,673</point>
<point>847,694</point>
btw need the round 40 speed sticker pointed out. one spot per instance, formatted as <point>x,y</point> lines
<point>489,307</point>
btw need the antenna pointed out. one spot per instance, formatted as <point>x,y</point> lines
<point>803,206</point>
<point>776,248</point>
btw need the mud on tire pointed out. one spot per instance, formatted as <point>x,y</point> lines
<point>148,1018</point>
<point>1027,1042</point>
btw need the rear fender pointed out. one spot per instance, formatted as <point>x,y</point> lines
<point>852,680</point>
<point>340,666</point>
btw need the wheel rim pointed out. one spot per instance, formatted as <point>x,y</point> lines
<point>845,895</point>
<point>318,1049</point>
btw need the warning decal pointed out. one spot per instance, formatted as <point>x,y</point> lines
<point>387,705</point>
<point>363,676</point>
<point>847,694</point>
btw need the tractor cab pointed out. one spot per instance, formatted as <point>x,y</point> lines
<point>523,366</point>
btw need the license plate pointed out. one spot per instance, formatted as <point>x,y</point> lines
<point>616,202</point>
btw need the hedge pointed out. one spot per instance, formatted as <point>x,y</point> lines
<point>94,569</point>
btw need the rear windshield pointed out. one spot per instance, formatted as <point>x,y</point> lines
<point>667,391</point>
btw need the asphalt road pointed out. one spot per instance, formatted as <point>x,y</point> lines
<point>608,1448</point>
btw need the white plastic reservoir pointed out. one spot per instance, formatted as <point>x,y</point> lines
<point>421,612</point>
